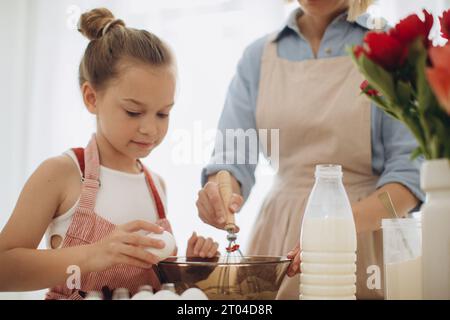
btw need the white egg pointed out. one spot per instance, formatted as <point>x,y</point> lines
<point>143,295</point>
<point>165,295</point>
<point>169,241</point>
<point>194,294</point>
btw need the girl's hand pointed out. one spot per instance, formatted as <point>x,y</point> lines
<point>125,246</point>
<point>294,255</point>
<point>211,208</point>
<point>201,247</point>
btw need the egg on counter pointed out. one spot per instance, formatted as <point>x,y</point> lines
<point>169,242</point>
<point>194,294</point>
<point>143,295</point>
<point>165,295</point>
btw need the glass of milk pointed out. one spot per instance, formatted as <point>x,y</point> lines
<point>402,254</point>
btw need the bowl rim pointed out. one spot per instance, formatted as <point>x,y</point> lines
<point>281,260</point>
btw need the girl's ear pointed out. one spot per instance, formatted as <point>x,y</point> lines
<point>89,97</point>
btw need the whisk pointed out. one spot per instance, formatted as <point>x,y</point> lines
<point>233,252</point>
<point>224,181</point>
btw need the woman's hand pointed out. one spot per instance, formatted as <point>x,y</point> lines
<point>211,208</point>
<point>201,247</point>
<point>125,246</point>
<point>294,255</point>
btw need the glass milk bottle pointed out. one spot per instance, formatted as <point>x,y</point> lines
<point>328,240</point>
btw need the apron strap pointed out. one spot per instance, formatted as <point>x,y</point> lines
<point>92,161</point>
<point>90,166</point>
<point>154,192</point>
<point>79,153</point>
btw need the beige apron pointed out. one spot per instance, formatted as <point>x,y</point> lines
<point>323,119</point>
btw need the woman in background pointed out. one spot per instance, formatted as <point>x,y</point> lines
<point>301,81</point>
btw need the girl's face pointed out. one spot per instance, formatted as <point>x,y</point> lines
<point>323,7</point>
<point>133,111</point>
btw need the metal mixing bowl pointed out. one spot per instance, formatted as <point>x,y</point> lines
<point>243,278</point>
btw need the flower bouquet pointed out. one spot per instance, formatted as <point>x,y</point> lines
<point>409,79</point>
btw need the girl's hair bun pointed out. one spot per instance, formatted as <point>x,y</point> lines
<point>111,41</point>
<point>95,23</point>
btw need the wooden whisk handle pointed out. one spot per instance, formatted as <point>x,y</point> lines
<point>226,190</point>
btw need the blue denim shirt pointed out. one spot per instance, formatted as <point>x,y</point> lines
<point>392,143</point>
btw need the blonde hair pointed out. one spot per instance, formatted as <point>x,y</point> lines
<point>111,41</point>
<point>357,8</point>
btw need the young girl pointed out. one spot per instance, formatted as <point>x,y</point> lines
<point>96,205</point>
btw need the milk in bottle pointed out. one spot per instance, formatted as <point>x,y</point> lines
<point>328,240</point>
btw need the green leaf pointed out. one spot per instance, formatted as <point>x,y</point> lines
<point>381,104</point>
<point>351,53</point>
<point>443,137</point>
<point>416,153</point>
<point>424,93</point>
<point>378,78</point>
<point>404,93</point>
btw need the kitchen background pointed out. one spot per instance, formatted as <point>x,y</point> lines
<point>42,113</point>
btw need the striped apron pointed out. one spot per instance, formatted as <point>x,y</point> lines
<point>87,227</point>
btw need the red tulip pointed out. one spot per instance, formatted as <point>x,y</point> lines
<point>439,75</point>
<point>367,89</point>
<point>410,28</point>
<point>445,24</point>
<point>357,51</point>
<point>385,50</point>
